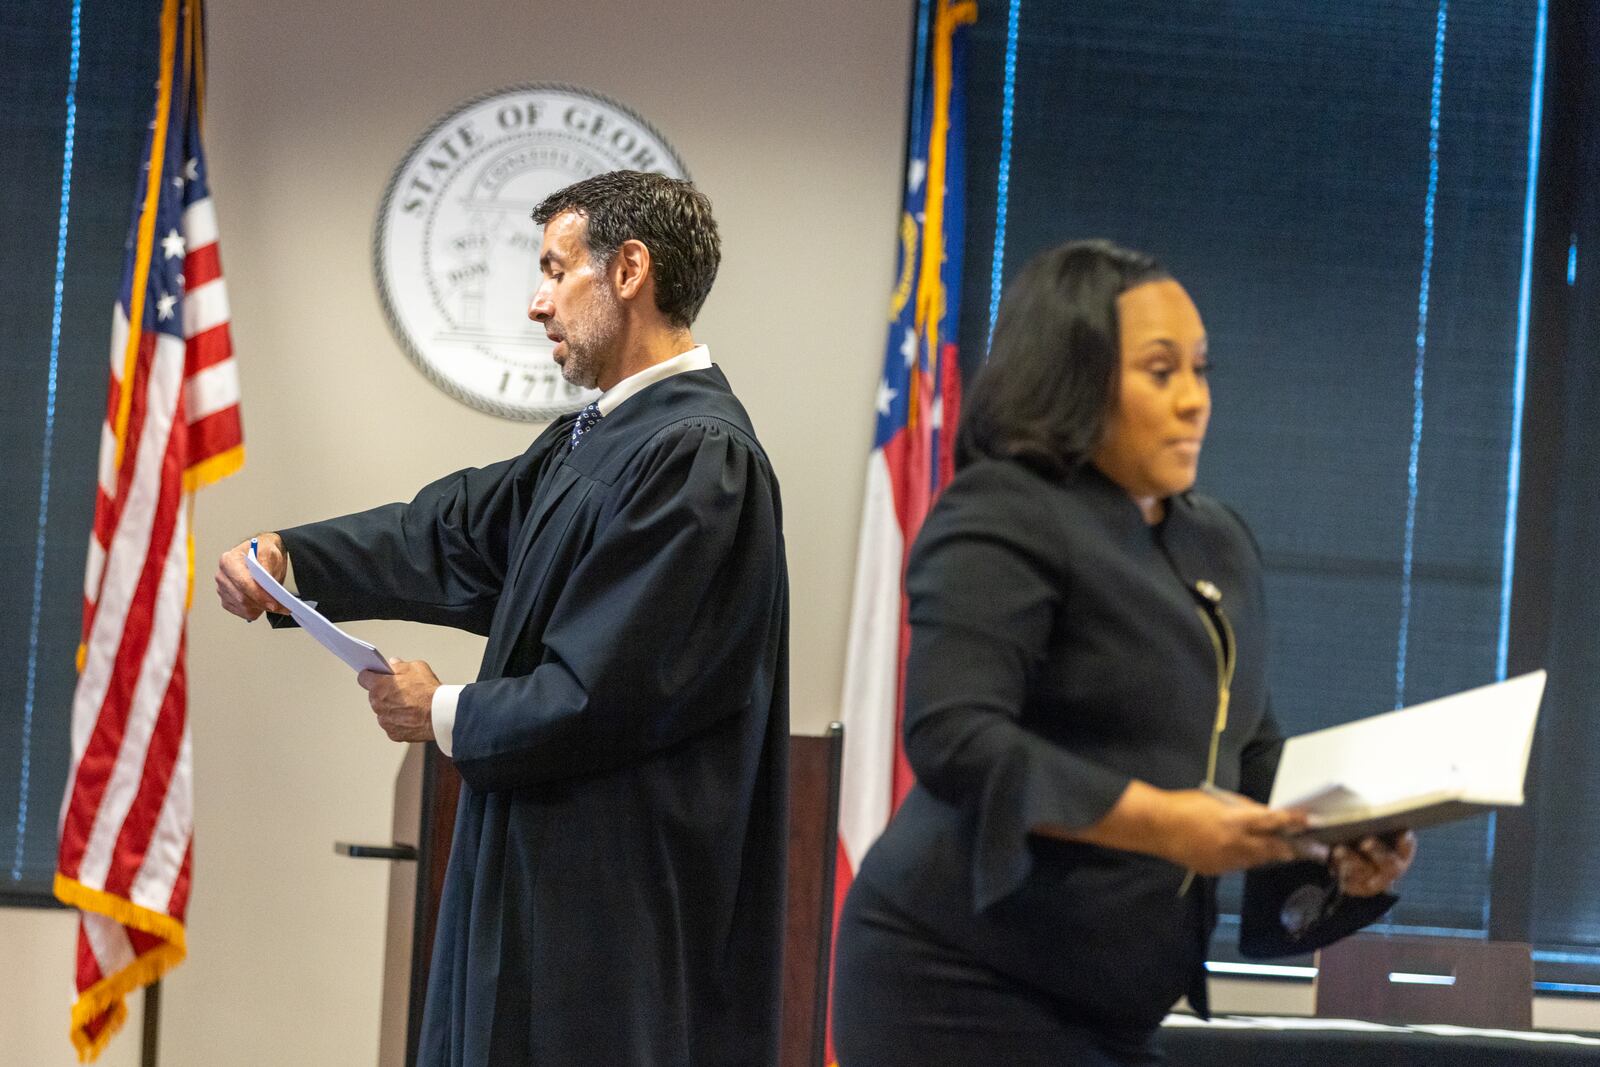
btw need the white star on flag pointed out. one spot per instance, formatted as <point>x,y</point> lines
<point>164,306</point>
<point>885,397</point>
<point>172,245</point>
<point>915,173</point>
<point>908,347</point>
<point>191,170</point>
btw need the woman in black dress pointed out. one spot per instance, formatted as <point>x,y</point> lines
<point>1085,709</point>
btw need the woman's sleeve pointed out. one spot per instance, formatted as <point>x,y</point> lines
<point>984,596</point>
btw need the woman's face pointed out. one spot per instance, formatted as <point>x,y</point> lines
<point>1158,421</point>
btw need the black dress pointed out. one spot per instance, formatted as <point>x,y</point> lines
<point>615,888</point>
<point>1060,648</point>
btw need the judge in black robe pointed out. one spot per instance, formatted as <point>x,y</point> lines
<point>614,894</point>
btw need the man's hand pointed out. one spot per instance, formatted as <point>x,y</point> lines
<point>403,701</point>
<point>1372,865</point>
<point>239,593</point>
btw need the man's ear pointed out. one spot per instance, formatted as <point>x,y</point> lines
<point>630,269</point>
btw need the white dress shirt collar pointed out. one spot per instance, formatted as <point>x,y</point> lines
<point>697,358</point>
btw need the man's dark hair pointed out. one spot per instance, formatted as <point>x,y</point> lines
<point>1054,365</point>
<point>670,216</point>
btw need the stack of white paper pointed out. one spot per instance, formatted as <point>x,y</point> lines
<point>356,653</point>
<point>1446,759</point>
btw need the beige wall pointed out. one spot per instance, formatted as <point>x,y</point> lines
<point>790,117</point>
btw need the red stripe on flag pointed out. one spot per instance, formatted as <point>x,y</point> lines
<point>160,757</point>
<point>910,464</point>
<point>910,469</point>
<point>208,348</point>
<point>136,416</point>
<point>215,434</point>
<point>201,265</point>
<point>114,394</point>
<point>105,518</point>
<point>142,942</point>
<point>100,756</point>
<point>950,413</point>
<point>94,1027</point>
<point>88,967</point>
<point>179,903</point>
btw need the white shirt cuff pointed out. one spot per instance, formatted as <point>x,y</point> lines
<point>444,715</point>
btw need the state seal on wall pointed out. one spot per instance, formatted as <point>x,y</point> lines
<point>455,251</point>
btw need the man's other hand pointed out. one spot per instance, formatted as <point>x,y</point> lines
<point>239,593</point>
<point>402,701</point>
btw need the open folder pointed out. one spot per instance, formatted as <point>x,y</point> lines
<point>1446,759</point>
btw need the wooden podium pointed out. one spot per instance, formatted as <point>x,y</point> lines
<point>814,764</point>
<point>425,793</point>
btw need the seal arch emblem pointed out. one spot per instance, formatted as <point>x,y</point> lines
<point>454,249</point>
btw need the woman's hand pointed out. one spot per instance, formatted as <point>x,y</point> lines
<point>1372,865</point>
<point>1200,830</point>
<point>1214,834</point>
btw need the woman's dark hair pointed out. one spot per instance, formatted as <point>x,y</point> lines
<point>1051,379</point>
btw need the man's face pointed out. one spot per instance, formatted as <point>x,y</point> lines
<point>575,302</point>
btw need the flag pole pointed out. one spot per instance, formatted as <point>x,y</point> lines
<point>152,1024</point>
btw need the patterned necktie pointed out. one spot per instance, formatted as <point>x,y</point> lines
<point>586,418</point>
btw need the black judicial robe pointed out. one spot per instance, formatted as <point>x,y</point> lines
<point>615,888</point>
<point>1059,649</point>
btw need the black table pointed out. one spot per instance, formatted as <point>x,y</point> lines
<point>1243,1041</point>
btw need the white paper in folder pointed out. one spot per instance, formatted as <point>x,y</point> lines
<point>1446,759</point>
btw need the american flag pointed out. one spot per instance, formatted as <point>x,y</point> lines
<point>918,408</point>
<point>172,426</point>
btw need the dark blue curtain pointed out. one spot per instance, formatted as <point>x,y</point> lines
<point>1345,191</point>
<point>1562,537</point>
<point>55,337</point>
